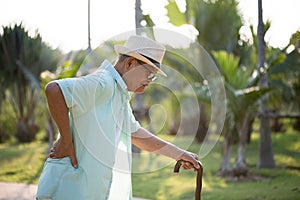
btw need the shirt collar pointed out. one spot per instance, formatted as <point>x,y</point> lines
<point>109,67</point>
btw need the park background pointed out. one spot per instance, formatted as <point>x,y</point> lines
<point>257,156</point>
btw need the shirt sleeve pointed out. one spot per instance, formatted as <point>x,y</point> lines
<point>81,93</point>
<point>134,124</point>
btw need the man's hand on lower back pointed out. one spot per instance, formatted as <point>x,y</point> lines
<point>63,149</point>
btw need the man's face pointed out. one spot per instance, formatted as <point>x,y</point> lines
<point>138,75</point>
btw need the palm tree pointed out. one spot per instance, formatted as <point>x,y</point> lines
<point>22,60</point>
<point>242,94</point>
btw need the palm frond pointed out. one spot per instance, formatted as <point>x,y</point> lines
<point>34,82</point>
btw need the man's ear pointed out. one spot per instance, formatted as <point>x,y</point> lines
<point>129,63</point>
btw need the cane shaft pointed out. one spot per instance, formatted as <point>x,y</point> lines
<point>198,180</point>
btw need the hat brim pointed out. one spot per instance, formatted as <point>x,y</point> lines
<point>124,50</point>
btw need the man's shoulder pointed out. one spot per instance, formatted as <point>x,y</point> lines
<point>101,76</point>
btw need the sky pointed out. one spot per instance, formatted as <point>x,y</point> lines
<point>63,23</point>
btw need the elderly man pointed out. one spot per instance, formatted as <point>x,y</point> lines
<point>91,160</point>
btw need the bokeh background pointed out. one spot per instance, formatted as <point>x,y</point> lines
<point>251,48</point>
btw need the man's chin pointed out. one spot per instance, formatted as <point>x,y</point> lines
<point>140,90</point>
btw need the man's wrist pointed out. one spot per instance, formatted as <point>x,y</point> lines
<point>174,152</point>
<point>65,139</point>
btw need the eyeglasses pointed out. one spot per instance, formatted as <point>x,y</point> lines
<point>152,75</point>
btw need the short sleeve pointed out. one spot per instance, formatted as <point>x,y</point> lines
<point>134,124</point>
<point>82,93</point>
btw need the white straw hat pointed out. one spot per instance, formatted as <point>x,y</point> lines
<point>144,49</point>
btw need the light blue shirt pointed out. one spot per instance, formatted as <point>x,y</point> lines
<point>98,106</point>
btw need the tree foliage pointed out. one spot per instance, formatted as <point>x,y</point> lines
<point>217,21</point>
<point>284,76</point>
<point>22,59</point>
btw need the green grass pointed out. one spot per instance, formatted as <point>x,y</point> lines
<point>22,163</point>
<point>283,182</point>
<point>153,176</point>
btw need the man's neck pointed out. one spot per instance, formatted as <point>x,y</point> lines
<point>119,69</point>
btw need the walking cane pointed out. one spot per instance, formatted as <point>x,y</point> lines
<point>198,181</point>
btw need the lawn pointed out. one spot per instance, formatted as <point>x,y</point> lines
<point>283,182</point>
<point>22,163</point>
<point>153,176</point>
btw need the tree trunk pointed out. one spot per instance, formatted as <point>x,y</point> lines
<point>240,167</point>
<point>296,125</point>
<point>139,113</point>
<point>138,104</point>
<point>225,169</point>
<point>250,128</point>
<point>203,126</point>
<point>276,125</point>
<point>138,17</point>
<point>26,130</point>
<point>266,157</point>
<point>89,26</point>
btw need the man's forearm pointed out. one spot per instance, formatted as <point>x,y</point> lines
<point>149,142</point>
